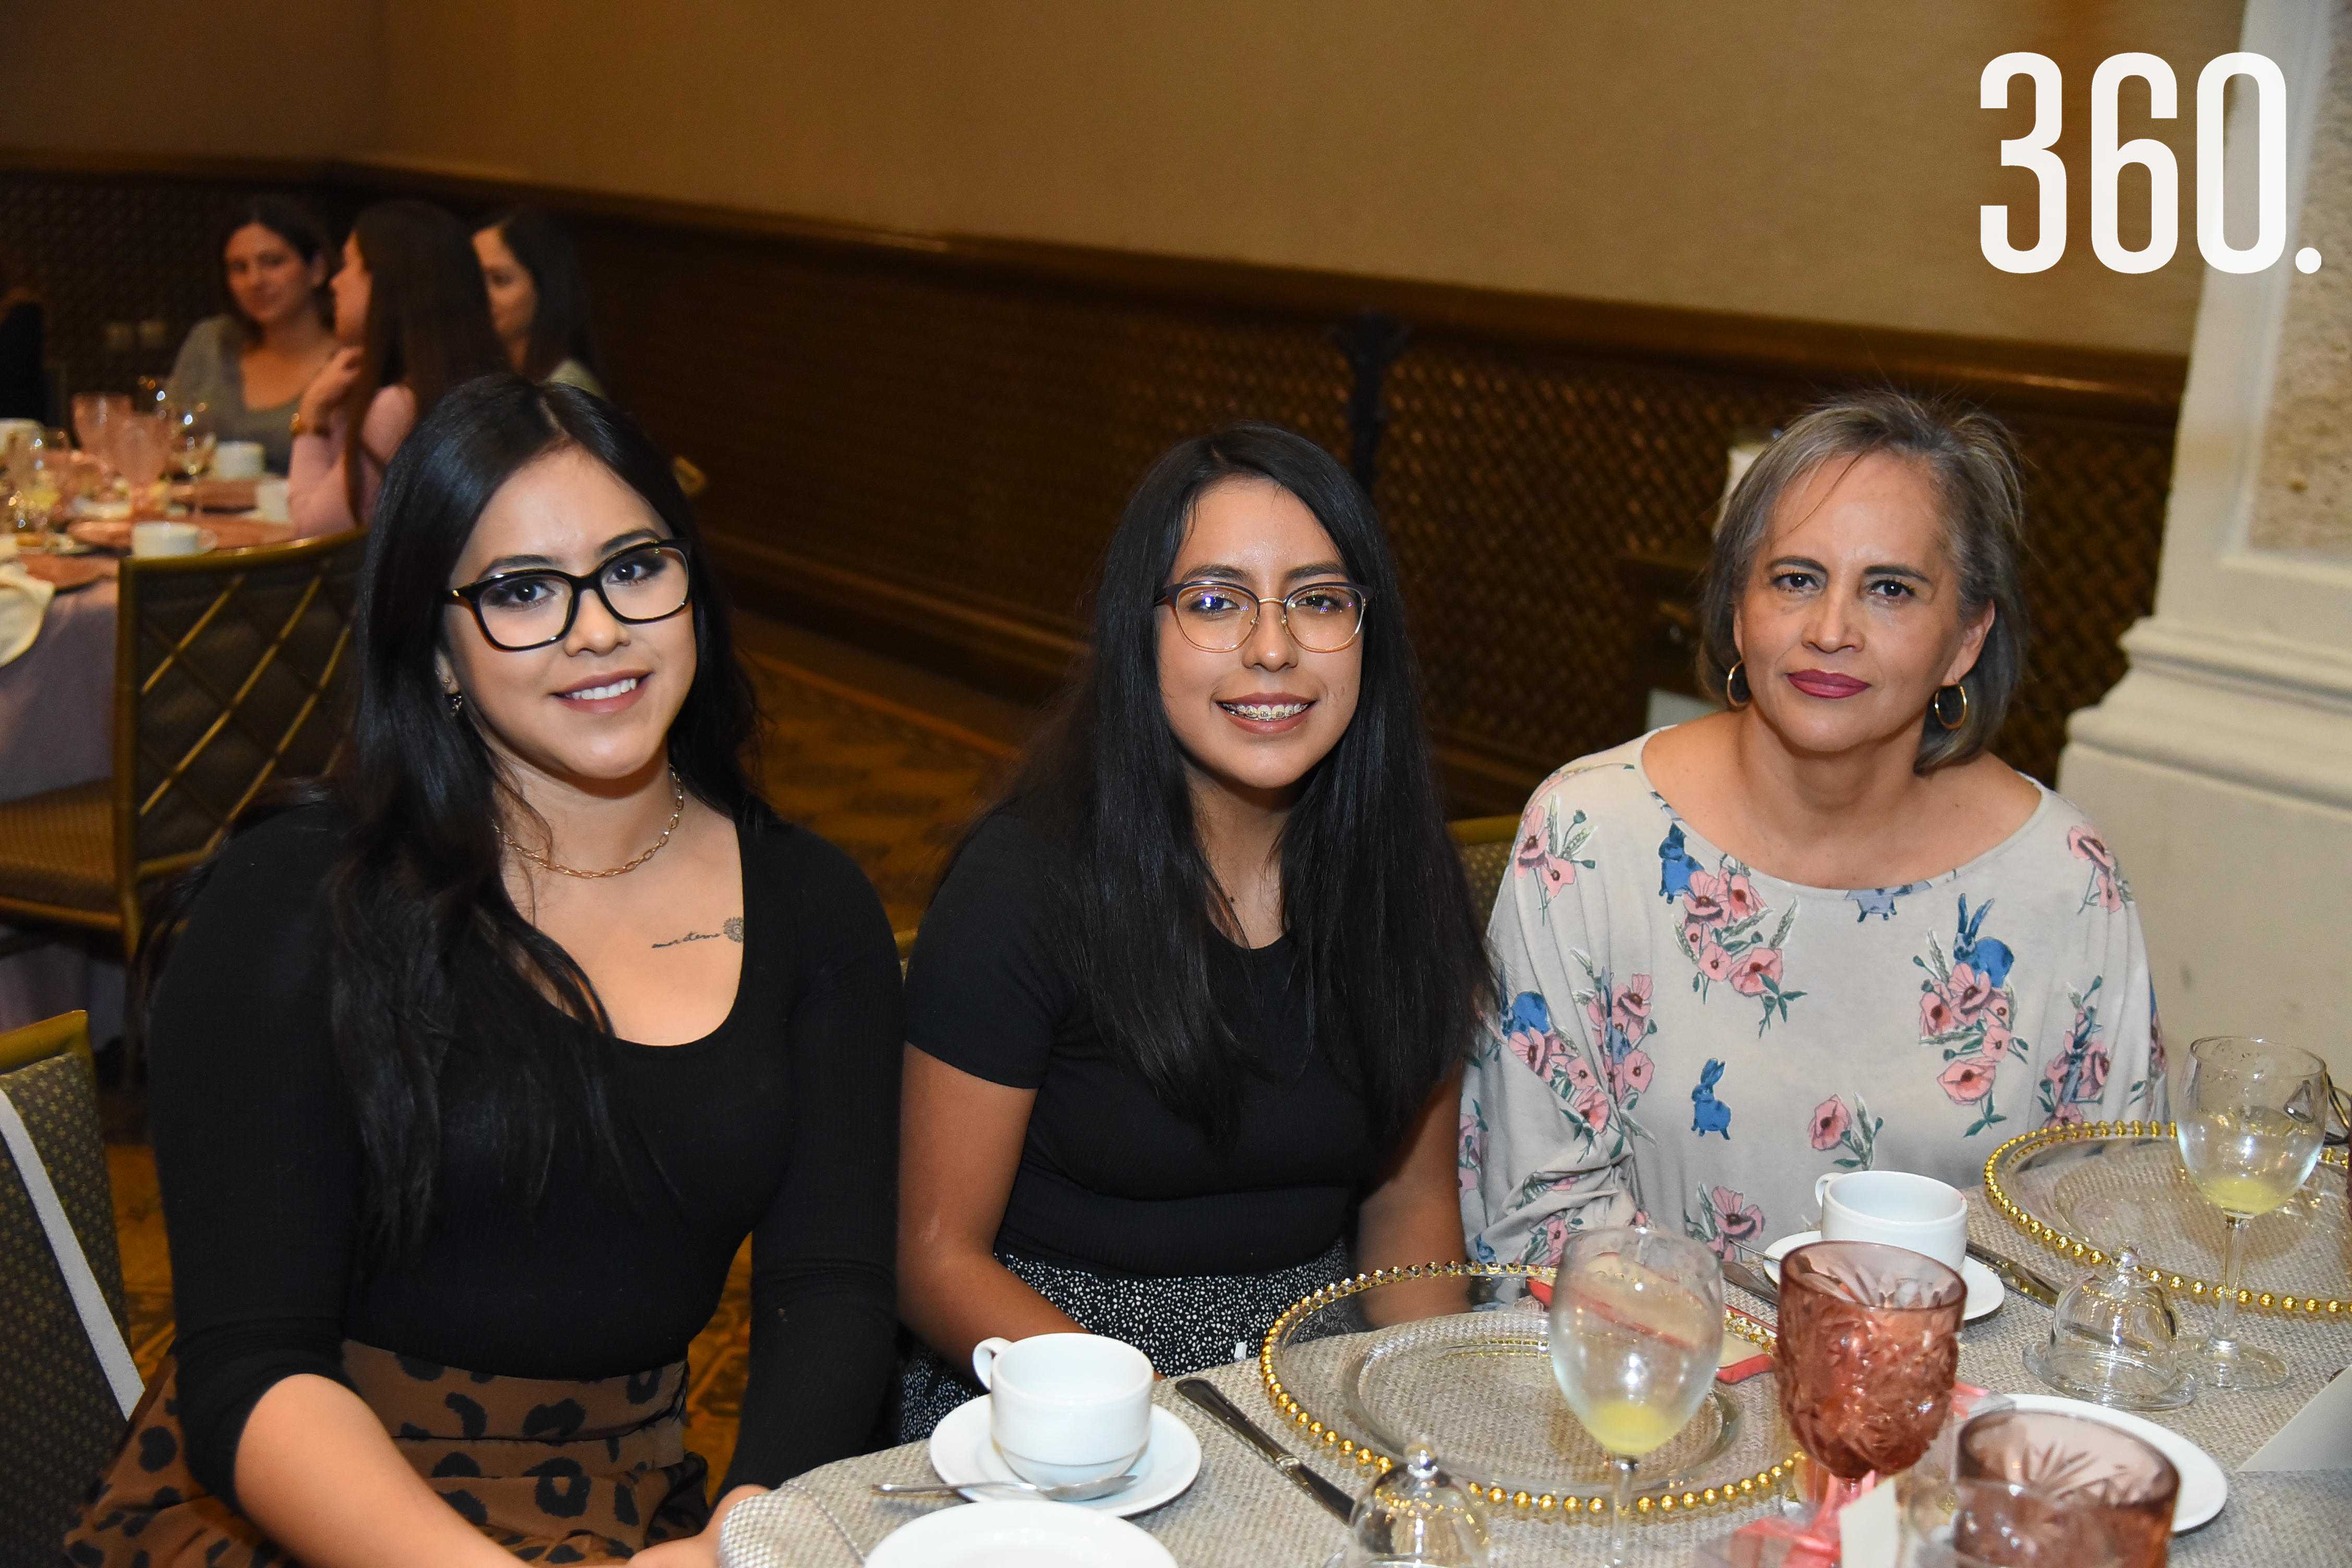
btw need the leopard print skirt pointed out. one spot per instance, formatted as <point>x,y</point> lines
<point>553,1470</point>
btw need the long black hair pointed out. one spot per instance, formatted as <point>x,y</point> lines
<point>428,321</point>
<point>559,328</point>
<point>1388,952</point>
<point>422,932</point>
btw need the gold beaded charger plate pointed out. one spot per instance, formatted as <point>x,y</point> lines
<point>2087,1190</point>
<point>1459,1356</point>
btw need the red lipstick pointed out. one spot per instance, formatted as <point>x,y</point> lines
<point>1826,683</point>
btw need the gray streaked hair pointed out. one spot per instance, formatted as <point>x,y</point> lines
<point>1973,465</point>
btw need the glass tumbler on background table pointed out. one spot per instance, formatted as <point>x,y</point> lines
<point>94,417</point>
<point>142,446</point>
<point>192,443</point>
<point>2073,1458</point>
<point>2251,1117</point>
<point>1869,1342</point>
<point>1636,1330</point>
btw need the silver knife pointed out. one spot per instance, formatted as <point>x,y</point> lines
<point>1752,1279</point>
<point>1202,1392</point>
<point>2015,1275</point>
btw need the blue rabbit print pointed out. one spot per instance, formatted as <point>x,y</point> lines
<point>1709,1114</point>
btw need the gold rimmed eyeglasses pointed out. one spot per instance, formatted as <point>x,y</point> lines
<point>1217,616</point>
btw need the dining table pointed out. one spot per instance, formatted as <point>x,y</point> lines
<point>1239,1512</point>
<point>57,729</point>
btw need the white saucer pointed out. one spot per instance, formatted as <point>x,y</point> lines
<point>1033,1534</point>
<point>963,1454</point>
<point>1985,1292</point>
<point>2204,1487</point>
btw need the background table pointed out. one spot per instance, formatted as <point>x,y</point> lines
<point>56,728</point>
<point>1241,1514</point>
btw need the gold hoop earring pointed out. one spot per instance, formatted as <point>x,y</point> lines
<point>1733,680</point>
<point>1935,704</point>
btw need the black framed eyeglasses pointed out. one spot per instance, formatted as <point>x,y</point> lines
<point>519,610</point>
<point>1218,616</point>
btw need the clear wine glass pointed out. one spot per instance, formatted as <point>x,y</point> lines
<point>193,442</point>
<point>1636,1328</point>
<point>2251,1119</point>
<point>93,417</point>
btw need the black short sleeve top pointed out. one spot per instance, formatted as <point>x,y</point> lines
<point>1110,1179</point>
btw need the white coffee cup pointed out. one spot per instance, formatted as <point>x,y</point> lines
<point>148,539</point>
<point>270,500</point>
<point>237,460</point>
<point>1066,1408</point>
<point>1896,1209</point>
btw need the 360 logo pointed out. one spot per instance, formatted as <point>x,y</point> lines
<point>2109,158</point>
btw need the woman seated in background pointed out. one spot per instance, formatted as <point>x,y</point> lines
<point>539,298</point>
<point>414,322</point>
<point>491,1055</point>
<point>251,364</point>
<point>1187,1016</point>
<point>1825,929</point>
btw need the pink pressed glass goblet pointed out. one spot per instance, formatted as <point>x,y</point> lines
<point>2068,1456</point>
<point>1868,1343</point>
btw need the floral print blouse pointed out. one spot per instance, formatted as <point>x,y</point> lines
<point>1689,1041</point>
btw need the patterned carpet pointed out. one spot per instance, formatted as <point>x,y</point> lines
<point>891,785</point>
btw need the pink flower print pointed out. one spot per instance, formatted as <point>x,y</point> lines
<point>1547,1240</point>
<point>1998,1009</point>
<point>2086,845</point>
<point>1995,1040</point>
<point>1740,898</point>
<point>1531,851</point>
<point>1694,936</point>
<point>2089,1071</point>
<point>1633,1074</point>
<point>1580,1074</point>
<point>1967,1080</point>
<point>1554,873</point>
<point>2064,1116</point>
<point>1736,1220</point>
<point>1714,962</point>
<point>2106,885</point>
<point>1537,1049</point>
<point>1632,1011</point>
<point>1597,1015</point>
<point>1970,993</point>
<point>1831,1119</point>
<point>1704,902</point>
<point>1753,968</point>
<point>1592,1106</point>
<point>1935,1014</point>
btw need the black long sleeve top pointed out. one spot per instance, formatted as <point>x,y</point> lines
<point>779,1124</point>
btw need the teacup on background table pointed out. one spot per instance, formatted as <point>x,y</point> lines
<point>237,460</point>
<point>1066,1408</point>
<point>148,539</point>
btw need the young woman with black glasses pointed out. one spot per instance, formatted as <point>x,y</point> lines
<point>471,1075</point>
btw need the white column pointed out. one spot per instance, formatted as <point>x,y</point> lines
<point>2220,767</point>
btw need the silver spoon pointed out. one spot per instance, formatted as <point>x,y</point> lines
<point>1073,1492</point>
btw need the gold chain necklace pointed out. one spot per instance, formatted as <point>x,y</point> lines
<point>675,817</point>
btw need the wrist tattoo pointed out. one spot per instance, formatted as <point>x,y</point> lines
<point>731,929</point>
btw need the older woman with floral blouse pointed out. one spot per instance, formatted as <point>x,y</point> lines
<point>1825,929</point>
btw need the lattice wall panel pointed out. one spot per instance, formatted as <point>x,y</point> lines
<point>971,436</point>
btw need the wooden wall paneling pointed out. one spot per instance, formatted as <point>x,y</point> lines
<point>923,442</point>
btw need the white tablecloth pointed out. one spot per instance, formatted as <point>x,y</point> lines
<point>56,718</point>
